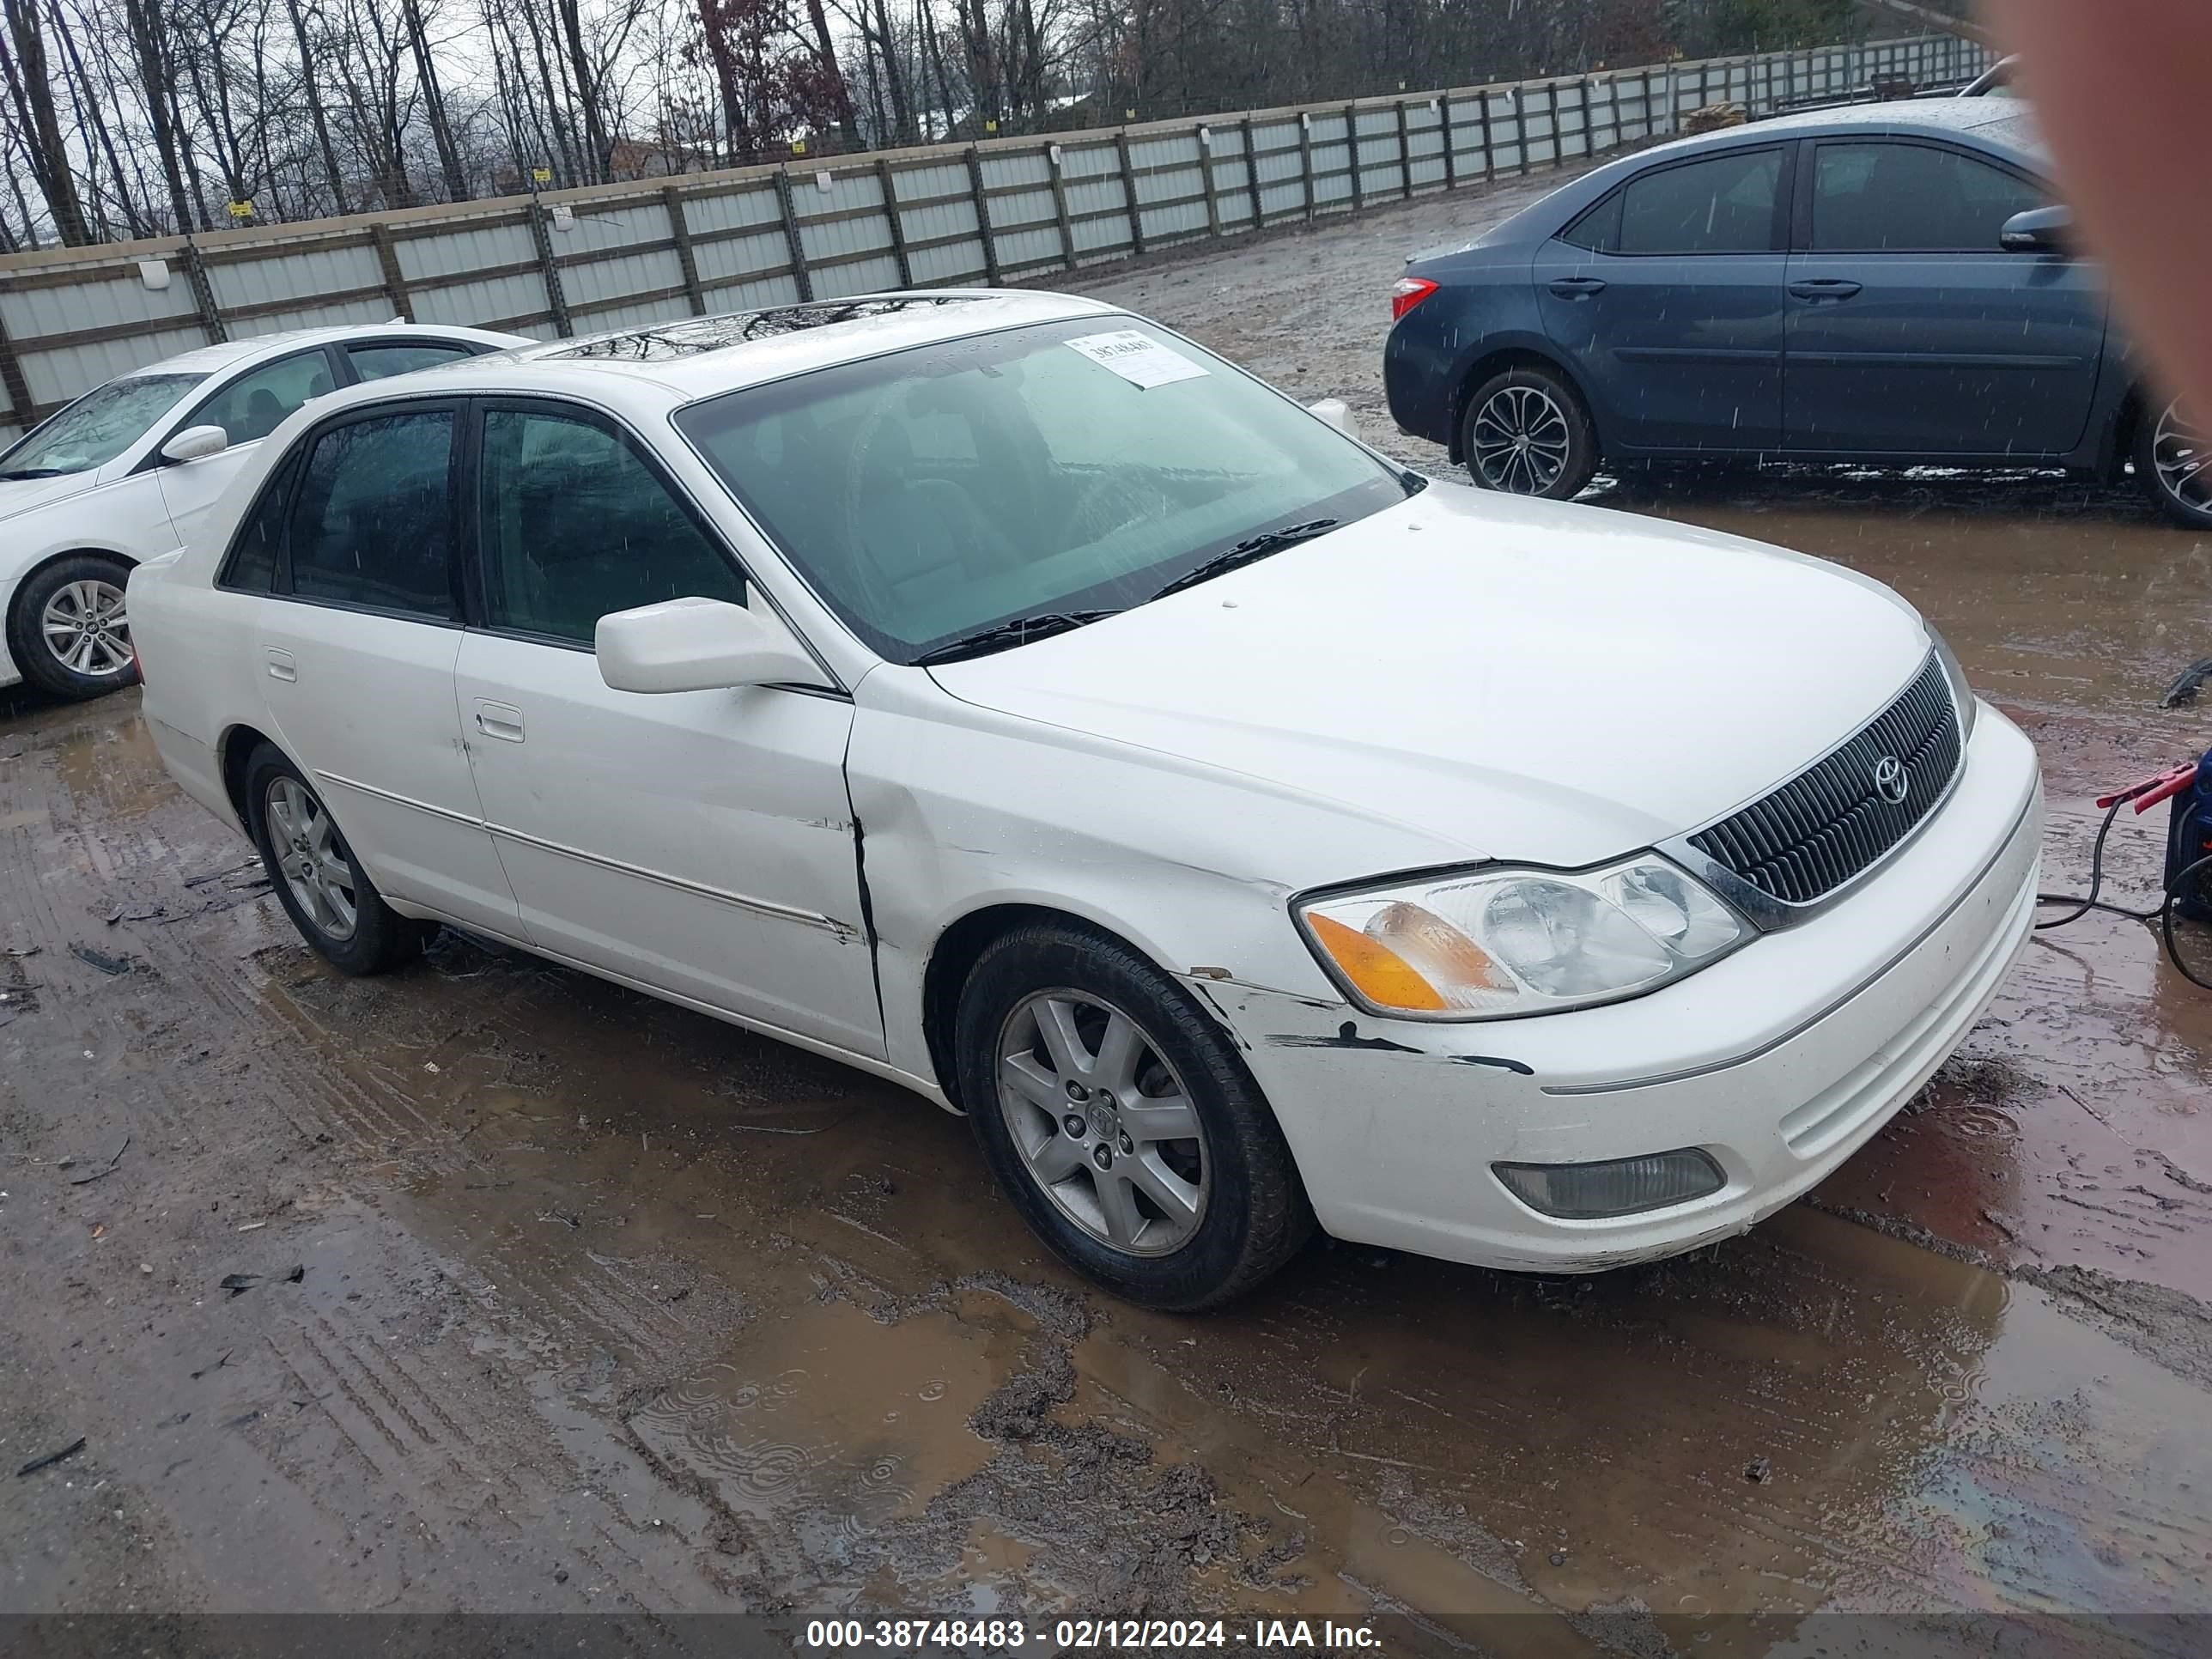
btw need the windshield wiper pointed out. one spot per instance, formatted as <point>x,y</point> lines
<point>1251,547</point>
<point>1017,630</point>
<point>33,473</point>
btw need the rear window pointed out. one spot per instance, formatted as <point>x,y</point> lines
<point>1723,205</point>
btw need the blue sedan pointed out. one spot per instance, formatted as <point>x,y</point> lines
<point>1885,284</point>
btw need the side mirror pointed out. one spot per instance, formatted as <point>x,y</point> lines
<point>2038,230</point>
<point>195,443</point>
<point>699,645</point>
<point>1336,413</point>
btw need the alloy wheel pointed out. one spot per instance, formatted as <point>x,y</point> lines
<point>1521,440</point>
<point>1102,1123</point>
<point>312,858</point>
<point>87,626</point>
<point>2183,455</point>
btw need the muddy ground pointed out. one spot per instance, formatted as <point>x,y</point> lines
<point>554,1298</point>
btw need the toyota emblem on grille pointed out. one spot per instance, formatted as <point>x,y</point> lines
<point>1891,780</point>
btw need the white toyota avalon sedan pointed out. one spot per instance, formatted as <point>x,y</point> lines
<point>131,469</point>
<point>1004,695</point>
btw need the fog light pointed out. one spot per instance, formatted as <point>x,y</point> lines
<point>1589,1192</point>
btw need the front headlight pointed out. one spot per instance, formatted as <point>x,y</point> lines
<point>1493,944</point>
<point>1962,694</point>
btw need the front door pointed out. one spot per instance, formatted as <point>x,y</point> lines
<point>356,650</point>
<point>699,842</point>
<point>1666,297</point>
<point>1912,331</point>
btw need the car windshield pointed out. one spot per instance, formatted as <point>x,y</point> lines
<point>1055,469</point>
<point>98,427</point>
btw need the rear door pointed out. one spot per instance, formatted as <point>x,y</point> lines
<point>1667,298</point>
<point>700,842</point>
<point>356,648</point>
<point>1911,331</point>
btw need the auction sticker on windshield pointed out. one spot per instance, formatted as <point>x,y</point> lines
<point>1136,358</point>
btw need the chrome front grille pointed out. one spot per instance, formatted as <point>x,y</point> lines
<point>1833,820</point>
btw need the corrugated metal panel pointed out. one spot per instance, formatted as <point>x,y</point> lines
<point>302,275</point>
<point>1020,211</point>
<point>945,219</point>
<point>1088,161</point>
<point>754,295</point>
<point>742,256</point>
<point>861,277</point>
<point>645,315</point>
<point>1095,196</point>
<point>840,236</point>
<point>465,248</point>
<point>1163,223</point>
<point>1168,186</point>
<point>55,377</point>
<point>918,183</point>
<point>591,230</point>
<point>491,299</point>
<point>1019,167</point>
<point>1093,235</point>
<point>374,308</point>
<point>749,204</point>
<point>623,278</point>
<point>108,302</point>
<point>958,262</point>
<point>1030,247</point>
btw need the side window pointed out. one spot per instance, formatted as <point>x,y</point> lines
<point>1873,198</point>
<point>1598,227</point>
<point>251,565</point>
<point>373,522</point>
<point>1725,205</point>
<point>252,406</point>
<point>375,362</point>
<point>573,525</point>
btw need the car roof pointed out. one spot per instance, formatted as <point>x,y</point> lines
<point>208,359</point>
<point>2004,123</point>
<point>699,356</point>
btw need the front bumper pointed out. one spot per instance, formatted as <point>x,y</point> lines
<point>1780,1061</point>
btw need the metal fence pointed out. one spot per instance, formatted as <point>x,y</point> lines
<point>1001,210</point>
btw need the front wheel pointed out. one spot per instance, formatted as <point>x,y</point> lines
<point>70,628</point>
<point>1526,433</point>
<point>2174,463</point>
<point>1121,1121</point>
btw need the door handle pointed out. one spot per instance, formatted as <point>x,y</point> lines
<point>502,720</point>
<point>280,665</point>
<point>1576,288</point>
<point>1817,289</point>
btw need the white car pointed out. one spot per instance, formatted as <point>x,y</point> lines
<point>130,470</point>
<point>1001,694</point>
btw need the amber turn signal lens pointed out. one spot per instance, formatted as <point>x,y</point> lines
<point>1377,972</point>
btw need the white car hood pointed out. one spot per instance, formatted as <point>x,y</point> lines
<point>21,496</point>
<point>1522,679</point>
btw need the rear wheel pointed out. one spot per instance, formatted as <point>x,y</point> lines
<point>2174,463</point>
<point>70,630</point>
<point>1121,1121</point>
<point>320,884</point>
<point>1526,433</point>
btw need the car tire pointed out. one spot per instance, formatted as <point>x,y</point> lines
<point>2173,463</point>
<point>83,592</point>
<point>1526,432</point>
<point>1089,1167</point>
<point>320,884</point>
